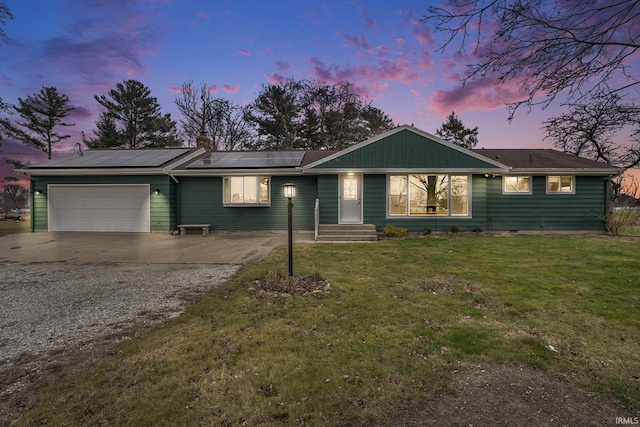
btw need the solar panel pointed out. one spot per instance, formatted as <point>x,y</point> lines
<point>114,159</point>
<point>248,160</point>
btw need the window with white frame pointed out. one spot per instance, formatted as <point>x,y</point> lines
<point>246,191</point>
<point>516,184</point>
<point>561,184</point>
<point>414,195</point>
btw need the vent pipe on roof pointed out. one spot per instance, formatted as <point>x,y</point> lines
<point>531,156</point>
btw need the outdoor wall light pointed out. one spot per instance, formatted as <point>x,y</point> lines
<point>157,191</point>
<point>38,192</point>
<point>289,192</point>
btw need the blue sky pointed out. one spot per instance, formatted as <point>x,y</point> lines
<point>84,47</point>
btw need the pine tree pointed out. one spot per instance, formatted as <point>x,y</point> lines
<point>453,130</point>
<point>137,119</point>
<point>42,114</point>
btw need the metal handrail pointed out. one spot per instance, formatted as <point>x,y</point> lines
<point>316,216</point>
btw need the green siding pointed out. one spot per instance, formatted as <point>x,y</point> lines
<point>407,150</point>
<point>540,211</point>
<point>328,196</point>
<point>161,205</point>
<point>201,202</point>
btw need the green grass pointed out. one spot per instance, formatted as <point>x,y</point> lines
<point>12,227</point>
<point>400,315</point>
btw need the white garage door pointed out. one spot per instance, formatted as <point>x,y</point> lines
<point>115,208</point>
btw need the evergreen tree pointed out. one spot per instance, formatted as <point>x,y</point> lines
<point>137,119</point>
<point>453,130</point>
<point>42,114</point>
<point>313,116</point>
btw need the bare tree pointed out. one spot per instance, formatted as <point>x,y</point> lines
<point>218,119</point>
<point>590,131</point>
<point>581,48</point>
<point>16,194</point>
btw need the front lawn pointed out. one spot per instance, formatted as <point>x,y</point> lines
<point>398,318</point>
<point>12,227</point>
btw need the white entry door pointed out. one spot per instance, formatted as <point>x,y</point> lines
<point>350,202</point>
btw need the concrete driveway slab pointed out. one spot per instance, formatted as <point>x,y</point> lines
<point>219,247</point>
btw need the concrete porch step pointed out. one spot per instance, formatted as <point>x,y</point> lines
<point>347,233</point>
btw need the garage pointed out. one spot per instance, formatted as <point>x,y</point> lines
<point>102,208</point>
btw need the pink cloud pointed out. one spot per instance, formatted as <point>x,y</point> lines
<point>231,89</point>
<point>422,33</point>
<point>203,15</point>
<point>369,22</point>
<point>357,41</point>
<point>245,52</point>
<point>275,79</point>
<point>175,89</point>
<point>283,66</point>
<point>400,70</point>
<point>475,95</point>
<point>380,87</point>
<point>212,89</point>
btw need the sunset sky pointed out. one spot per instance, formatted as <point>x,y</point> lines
<point>84,47</point>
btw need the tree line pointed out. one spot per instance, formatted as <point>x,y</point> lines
<point>293,115</point>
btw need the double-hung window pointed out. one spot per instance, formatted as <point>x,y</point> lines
<point>415,195</point>
<point>561,184</point>
<point>246,191</point>
<point>516,185</point>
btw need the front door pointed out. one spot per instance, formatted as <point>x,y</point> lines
<point>350,199</point>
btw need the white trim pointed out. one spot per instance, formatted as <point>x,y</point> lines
<point>257,203</point>
<point>573,185</point>
<point>566,171</point>
<point>455,171</point>
<point>237,172</point>
<point>181,161</point>
<point>517,193</point>
<point>449,215</point>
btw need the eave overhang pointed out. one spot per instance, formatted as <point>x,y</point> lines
<point>237,172</point>
<point>567,171</point>
<point>93,171</point>
<point>407,170</point>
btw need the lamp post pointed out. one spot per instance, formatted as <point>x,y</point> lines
<point>289,192</point>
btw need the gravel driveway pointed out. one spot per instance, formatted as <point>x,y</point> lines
<point>49,307</point>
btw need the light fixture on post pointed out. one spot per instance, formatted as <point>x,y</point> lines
<point>289,192</point>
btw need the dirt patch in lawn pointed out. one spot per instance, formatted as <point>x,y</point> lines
<point>502,395</point>
<point>490,395</point>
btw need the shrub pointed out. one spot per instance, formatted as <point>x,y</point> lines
<point>619,221</point>
<point>391,230</point>
<point>427,230</point>
<point>477,230</point>
<point>454,229</point>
